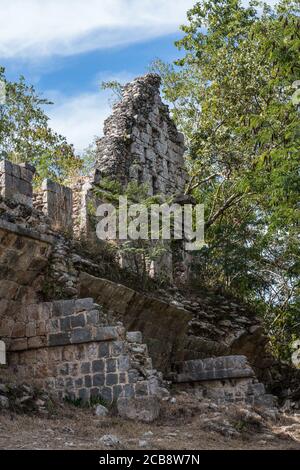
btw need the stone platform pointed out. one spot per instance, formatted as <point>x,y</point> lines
<point>63,346</point>
<point>223,379</point>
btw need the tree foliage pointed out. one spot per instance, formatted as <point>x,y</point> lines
<point>232,95</point>
<point>25,135</point>
<point>137,255</point>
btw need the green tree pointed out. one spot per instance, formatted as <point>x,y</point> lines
<point>25,135</point>
<point>231,94</point>
<point>137,254</point>
<point>115,87</point>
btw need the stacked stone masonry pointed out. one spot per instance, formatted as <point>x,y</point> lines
<point>141,142</point>
<point>48,343</point>
<point>223,379</point>
<point>56,201</point>
<point>63,347</point>
<point>15,182</point>
<point>71,346</point>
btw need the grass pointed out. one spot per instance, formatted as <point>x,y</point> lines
<point>80,403</point>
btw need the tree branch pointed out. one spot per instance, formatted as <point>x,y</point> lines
<point>233,199</point>
<point>191,187</point>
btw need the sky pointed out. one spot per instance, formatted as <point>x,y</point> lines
<point>66,48</point>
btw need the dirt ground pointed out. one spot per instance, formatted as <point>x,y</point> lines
<point>185,425</point>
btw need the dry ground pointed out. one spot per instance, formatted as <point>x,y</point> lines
<point>188,425</point>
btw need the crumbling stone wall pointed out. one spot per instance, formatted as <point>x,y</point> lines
<point>15,182</point>
<point>225,379</point>
<point>68,348</point>
<point>164,326</point>
<point>141,142</point>
<point>56,201</point>
<point>68,345</point>
<point>24,254</point>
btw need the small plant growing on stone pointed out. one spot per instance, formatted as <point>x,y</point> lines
<point>80,403</point>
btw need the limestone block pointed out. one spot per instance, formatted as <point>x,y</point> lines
<point>16,182</point>
<point>166,343</point>
<point>63,308</point>
<point>151,156</point>
<point>84,304</point>
<point>135,132</point>
<point>180,137</point>
<point>296,353</point>
<point>19,330</point>
<point>143,408</point>
<point>162,266</point>
<point>106,333</point>
<point>2,353</point>
<point>19,344</point>
<point>36,342</point>
<point>101,411</point>
<point>4,402</point>
<point>161,148</point>
<point>137,148</point>
<point>134,337</point>
<point>58,201</point>
<point>216,368</point>
<point>60,339</point>
<point>134,172</point>
<point>145,138</point>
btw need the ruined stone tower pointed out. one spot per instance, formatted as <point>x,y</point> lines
<point>141,142</point>
<point>69,323</point>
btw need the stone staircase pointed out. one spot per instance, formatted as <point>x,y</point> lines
<point>68,347</point>
<point>224,379</point>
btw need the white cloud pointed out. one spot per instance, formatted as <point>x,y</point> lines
<point>35,28</point>
<point>80,118</point>
<point>43,28</point>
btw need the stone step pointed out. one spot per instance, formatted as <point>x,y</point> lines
<point>212,368</point>
<point>65,346</point>
<point>223,379</point>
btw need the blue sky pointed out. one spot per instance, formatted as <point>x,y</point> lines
<point>67,47</point>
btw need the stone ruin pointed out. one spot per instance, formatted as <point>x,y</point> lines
<point>68,328</point>
<point>141,142</point>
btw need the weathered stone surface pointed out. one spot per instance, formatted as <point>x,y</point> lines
<point>141,142</point>
<point>110,440</point>
<point>59,339</point>
<point>15,182</point>
<point>55,346</point>
<point>106,333</point>
<point>4,402</point>
<point>81,335</point>
<point>266,400</point>
<point>101,411</point>
<point>217,368</point>
<point>145,408</point>
<point>296,354</point>
<point>68,345</point>
<point>134,337</point>
<point>84,304</point>
<point>56,324</point>
<point>57,204</point>
<point>2,353</point>
<point>142,313</point>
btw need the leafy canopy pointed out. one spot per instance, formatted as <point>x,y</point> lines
<point>25,135</point>
<point>234,95</point>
